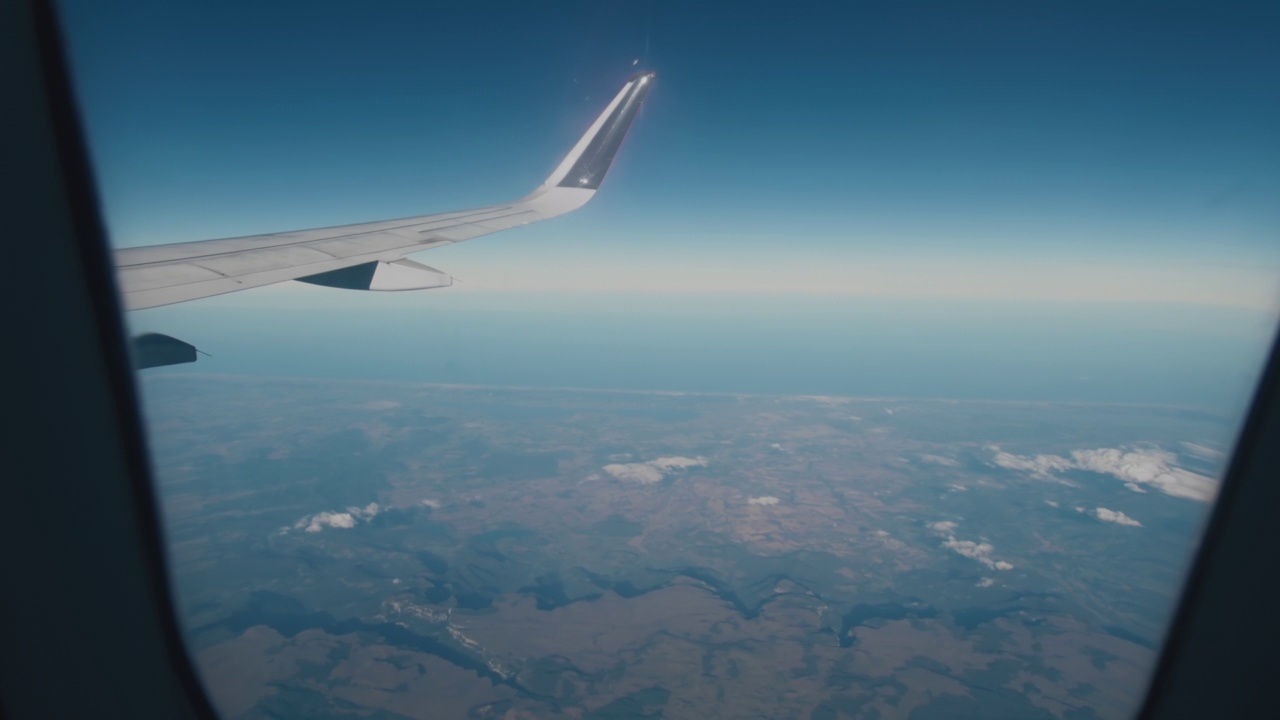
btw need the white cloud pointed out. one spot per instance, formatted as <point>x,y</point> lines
<point>653,471</point>
<point>763,500</point>
<point>976,551</point>
<point>1038,465</point>
<point>1140,467</point>
<point>433,504</point>
<point>1135,487</point>
<point>339,520</point>
<point>1154,467</point>
<point>320,521</point>
<point>1115,516</point>
<point>943,526</point>
<point>986,582</point>
<point>642,473</point>
<point>677,463</point>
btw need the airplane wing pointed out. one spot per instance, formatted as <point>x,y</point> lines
<point>370,256</point>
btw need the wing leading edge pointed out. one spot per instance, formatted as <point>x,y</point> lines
<point>167,274</point>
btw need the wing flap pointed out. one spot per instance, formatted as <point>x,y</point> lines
<point>245,263</point>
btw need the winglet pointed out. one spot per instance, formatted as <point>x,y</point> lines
<point>585,166</point>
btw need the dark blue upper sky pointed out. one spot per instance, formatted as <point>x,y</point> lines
<point>944,151</point>
<point>1148,125</point>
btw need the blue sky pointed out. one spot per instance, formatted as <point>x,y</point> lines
<point>1068,162</point>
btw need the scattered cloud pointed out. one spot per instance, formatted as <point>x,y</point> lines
<point>763,500</point>
<point>1115,516</point>
<point>653,471</point>
<point>1137,468</point>
<point>1038,465</point>
<point>976,551</point>
<point>980,551</point>
<point>986,582</point>
<point>320,521</point>
<point>677,463</point>
<point>433,504</point>
<point>642,473</point>
<point>1155,467</point>
<point>338,520</point>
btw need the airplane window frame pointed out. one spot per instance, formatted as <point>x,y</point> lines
<point>69,350</point>
<point>86,580</point>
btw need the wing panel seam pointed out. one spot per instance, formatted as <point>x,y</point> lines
<point>313,240</point>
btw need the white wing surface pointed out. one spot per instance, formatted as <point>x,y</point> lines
<point>368,256</point>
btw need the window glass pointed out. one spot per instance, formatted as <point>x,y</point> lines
<point>891,373</point>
